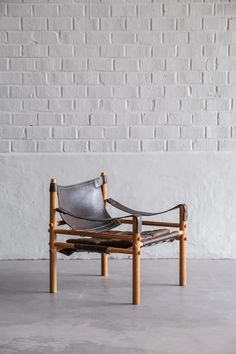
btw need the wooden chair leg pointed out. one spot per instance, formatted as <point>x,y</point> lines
<point>182,250</point>
<point>104,265</point>
<point>53,271</point>
<point>136,273</point>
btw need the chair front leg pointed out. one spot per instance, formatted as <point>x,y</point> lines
<point>182,248</point>
<point>104,264</point>
<point>53,237</point>
<point>137,222</point>
<point>53,266</point>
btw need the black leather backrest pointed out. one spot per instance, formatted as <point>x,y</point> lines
<point>85,200</point>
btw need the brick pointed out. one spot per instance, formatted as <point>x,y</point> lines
<point>163,132</point>
<point>45,37</point>
<point>49,119</point>
<point>192,132</point>
<point>9,51</point>
<point>112,24</point>
<point>5,146</point>
<point>164,51</point>
<point>12,132</point>
<point>205,118</point>
<point>34,24</point>
<point>197,9</point>
<point>22,64</point>
<point>33,50</point>
<point>76,119</point>
<point>35,105</point>
<point>177,91</point>
<point>60,78</point>
<point>74,91</point>
<point>39,133</point>
<point>5,118</point>
<point>100,64</point>
<point>102,119</point>
<point>60,23</point>
<point>61,50</point>
<point>75,146</point>
<point>116,132</point>
<point>179,118</point>
<point>128,145</point>
<point>140,132</point>
<point>153,145</point>
<point>114,105</point>
<point>163,24</point>
<point>22,91</point>
<point>99,10</point>
<point>192,104</point>
<point>65,133</point>
<point>21,10</point>
<point>48,91</point>
<point>91,132</point>
<point>151,91</point>
<point>50,146</point>
<point>101,146</point>
<point>72,37</point>
<point>123,38</point>
<point>86,51</point>
<point>111,78</point>
<point>227,145</point>
<point>87,78</point>
<point>129,119</point>
<point>12,105</point>
<point>126,64</point>
<point>19,37</point>
<point>179,145</point>
<point>217,104</point>
<point>24,146</point>
<point>87,105</point>
<point>151,64</point>
<point>94,37</point>
<point>149,37</point>
<point>138,24</point>
<point>205,145</point>
<point>4,92</point>
<point>113,51</point>
<point>61,105</point>
<point>154,118</point>
<point>33,78</point>
<point>150,10</point>
<point>123,10</point>
<point>138,78</point>
<point>10,23</point>
<point>73,64</point>
<point>177,64</point>
<point>46,10</point>
<point>219,132</point>
<point>72,10</point>
<point>189,23</point>
<point>86,24</point>
<point>125,92</point>
<point>164,77</point>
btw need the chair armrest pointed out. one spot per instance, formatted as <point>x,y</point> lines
<point>122,207</point>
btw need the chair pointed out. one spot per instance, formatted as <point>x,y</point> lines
<point>82,208</point>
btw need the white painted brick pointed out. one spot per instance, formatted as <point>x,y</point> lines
<point>12,132</point>
<point>9,51</point>
<point>87,105</point>
<point>217,104</point>
<point>154,118</point>
<point>76,146</point>
<point>201,37</point>
<point>4,62</point>
<point>33,78</point>
<point>227,145</point>
<point>215,24</point>
<point>50,146</point>
<point>112,78</point>
<point>72,10</point>
<point>137,24</point>
<point>100,64</point>
<point>165,105</point>
<point>151,92</point>
<point>198,9</point>
<point>164,51</point>
<point>39,133</point>
<point>176,10</point>
<point>114,105</point>
<point>138,78</point>
<point>151,64</point>
<point>22,64</point>
<point>205,118</point>
<point>113,51</point>
<point>163,132</point>
<point>33,50</point>
<point>190,78</point>
<point>4,91</point>
<point>163,24</point>
<point>177,91</point>
<point>164,77</point>
<point>34,23</point>
<point>48,91</point>
<point>86,24</point>
<point>91,132</point>
<point>5,118</point>
<point>126,64</point>
<point>219,132</point>
<point>153,145</point>
<point>234,132</point>
<point>227,118</point>
<point>60,23</point>
<point>205,145</point>
<point>19,10</point>
<point>10,23</point>
<point>45,37</point>
<point>76,119</point>
<point>172,37</point>
<point>74,91</point>
<point>47,64</point>
<point>5,146</point>
<point>10,78</point>
<point>73,64</point>
<point>72,37</point>
<point>102,119</point>
<point>128,145</point>
<point>149,37</point>
<point>123,38</point>
<point>94,37</point>
<point>99,10</point>
<point>179,118</point>
<point>177,64</point>
<point>99,91</point>
<point>141,105</point>
<point>145,132</point>
<point>189,23</point>
<point>125,92</point>
<point>226,37</point>
<point>179,145</point>
<point>59,78</point>
<point>203,64</point>
<point>150,10</point>
<point>87,78</point>
<point>193,132</point>
<point>128,119</point>
<point>203,91</point>
<point>24,146</point>
<point>61,105</point>
<point>22,37</point>
<point>11,105</point>
<point>216,78</point>
<point>35,105</point>
<point>116,132</point>
<point>226,9</point>
<point>49,119</point>
<point>86,51</point>
<point>123,10</point>
<point>188,51</point>
<point>46,10</point>
<point>213,50</point>
<point>22,91</point>
<point>102,146</point>
<point>192,104</point>
<point>112,24</point>
<point>65,133</point>
<point>139,51</point>
<point>62,50</point>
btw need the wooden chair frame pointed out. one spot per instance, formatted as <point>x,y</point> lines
<point>136,223</point>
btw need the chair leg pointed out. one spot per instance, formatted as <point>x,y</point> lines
<point>53,271</point>
<point>182,260</point>
<point>136,274</point>
<point>104,265</point>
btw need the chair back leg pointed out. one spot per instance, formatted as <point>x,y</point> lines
<point>182,249</point>
<point>53,237</point>
<point>104,264</point>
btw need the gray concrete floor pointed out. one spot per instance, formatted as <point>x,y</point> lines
<point>92,314</point>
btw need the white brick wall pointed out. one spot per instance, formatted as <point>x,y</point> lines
<point>117,76</point>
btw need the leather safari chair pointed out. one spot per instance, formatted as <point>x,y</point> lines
<point>82,209</point>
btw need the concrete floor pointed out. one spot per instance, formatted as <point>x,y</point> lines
<point>92,314</point>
